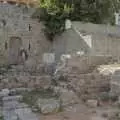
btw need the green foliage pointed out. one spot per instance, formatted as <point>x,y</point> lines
<point>31,97</point>
<point>96,11</point>
<point>53,14</point>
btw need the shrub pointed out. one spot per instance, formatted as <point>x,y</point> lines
<point>53,13</point>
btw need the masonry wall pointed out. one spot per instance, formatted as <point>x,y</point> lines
<point>105,38</point>
<point>106,45</point>
<point>69,42</point>
<point>15,21</point>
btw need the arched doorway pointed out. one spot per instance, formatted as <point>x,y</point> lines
<point>15,44</point>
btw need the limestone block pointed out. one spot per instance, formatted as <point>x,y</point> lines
<point>92,103</point>
<point>48,58</point>
<point>4,92</point>
<point>98,118</point>
<point>68,24</point>
<point>48,106</point>
<point>68,97</point>
<point>12,98</point>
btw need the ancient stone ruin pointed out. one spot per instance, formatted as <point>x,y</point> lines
<point>59,80</point>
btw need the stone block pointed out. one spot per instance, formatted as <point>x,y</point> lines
<point>4,92</point>
<point>48,106</point>
<point>68,97</point>
<point>48,58</point>
<point>92,103</point>
<point>12,98</point>
<point>98,118</point>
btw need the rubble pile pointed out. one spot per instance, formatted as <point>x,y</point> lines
<point>82,76</point>
<point>16,77</point>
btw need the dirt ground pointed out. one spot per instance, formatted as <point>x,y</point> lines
<point>77,112</point>
<point>82,112</point>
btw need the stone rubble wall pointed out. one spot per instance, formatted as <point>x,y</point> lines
<point>16,78</point>
<point>87,84</point>
<point>86,64</point>
<point>105,38</point>
<point>115,83</point>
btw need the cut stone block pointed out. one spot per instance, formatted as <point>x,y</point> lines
<point>92,103</point>
<point>48,58</point>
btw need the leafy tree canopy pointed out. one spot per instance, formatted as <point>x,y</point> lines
<point>54,13</point>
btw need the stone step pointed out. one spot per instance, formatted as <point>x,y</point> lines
<point>25,114</point>
<point>12,98</point>
<point>14,110</point>
<point>10,115</point>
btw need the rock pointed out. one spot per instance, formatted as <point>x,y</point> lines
<point>119,115</point>
<point>5,80</point>
<point>1,112</point>
<point>34,109</point>
<point>56,89</point>
<point>31,64</point>
<point>92,103</point>
<point>48,106</point>
<point>68,97</point>
<point>4,92</point>
<point>98,118</point>
<point>119,99</point>
<point>43,81</point>
<point>13,98</point>
<point>19,90</point>
<point>25,114</point>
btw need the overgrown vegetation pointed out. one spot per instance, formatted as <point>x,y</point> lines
<point>31,97</point>
<point>54,13</point>
<point>96,11</point>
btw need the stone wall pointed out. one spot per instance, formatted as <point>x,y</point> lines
<point>69,43</point>
<point>81,75</point>
<point>105,38</point>
<point>21,77</point>
<point>16,21</point>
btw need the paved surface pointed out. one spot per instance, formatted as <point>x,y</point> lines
<point>14,110</point>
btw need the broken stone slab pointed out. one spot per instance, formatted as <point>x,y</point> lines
<point>92,103</point>
<point>48,106</point>
<point>12,98</point>
<point>98,118</point>
<point>9,115</point>
<point>25,114</point>
<point>115,88</point>
<point>22,105</point>
<point>18,90</point>
<point>10,105</point>
<point>48,58</point>
<point>68,97</point>
<point>1,112</point>
<point>14,105</point>
<point>24,110</point>
<point>119,99</point>
<point>4,92</point>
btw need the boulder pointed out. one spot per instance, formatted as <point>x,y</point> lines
<point>4,92</point>
<point>48,106</point>
<point>92,103</point>
<point>68,97</point>
<point>13,98</point>
<point>98,118</point>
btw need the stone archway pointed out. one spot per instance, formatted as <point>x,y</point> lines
<point>15,44</point>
